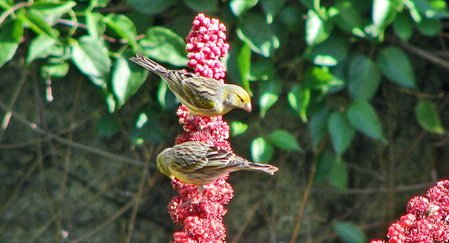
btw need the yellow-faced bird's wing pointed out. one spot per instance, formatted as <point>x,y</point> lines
<point>189,157</point>
<point>202,92</point>
<point>221,158</point>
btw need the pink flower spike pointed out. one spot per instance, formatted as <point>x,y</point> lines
<point>426,220</point>
<point>200,212</point>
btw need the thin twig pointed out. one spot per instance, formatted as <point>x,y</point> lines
<point>106,37</point>
<point>376,190</point>
<point>108,221</point>
<point>425,54</point>
<point>45,188</point>
<point>18,187</point>
<point>12,102</point>
<point>64,141</point>
<point>42,139</point>
<point>132,220</point>
<point>13,9</point>
<point>248,220</point>
<point>113,217</point>
<point>303,202</point>
<point>67,157</point>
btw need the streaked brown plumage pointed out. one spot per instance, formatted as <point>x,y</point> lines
<point>198,163</point>
<point>202,96</point>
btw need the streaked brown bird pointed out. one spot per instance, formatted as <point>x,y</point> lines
<point>198,163</point>
<point>201,95</point>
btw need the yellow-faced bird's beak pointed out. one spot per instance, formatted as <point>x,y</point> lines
<point>248,107</point>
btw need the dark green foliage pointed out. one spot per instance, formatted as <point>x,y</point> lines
<point>350,101</point>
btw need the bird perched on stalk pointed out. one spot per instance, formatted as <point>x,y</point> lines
<point>201,95</point>
<point>198,163</point>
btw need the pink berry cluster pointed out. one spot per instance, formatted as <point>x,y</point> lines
<point>206,44</point>
<point>200,212</point>
<point>427,218</point>
<point>210,130</point>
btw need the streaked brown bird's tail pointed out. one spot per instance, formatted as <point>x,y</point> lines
<point>149,64</point>
<point>269,169</point>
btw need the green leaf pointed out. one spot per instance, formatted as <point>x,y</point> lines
<point>299,100</point>
<point>318,126</point>
<point>53,8</point>
<point>36,22</point>
<point>262,42</point>
<point>341,132</point>
<point>317,29</point>
<point>290,17</point>
<point>107,126</point>
<point>420,9</point>
<point>10,34</point>
<point>320,78</point>
<point>58,70</point>
<point>338,177</point>
<point>123,27</point>
<point>284,140</point>
<point>325,165</point>
<point>269,94</point>
<point>396,66</point>
<point>99,3</point>
<point>151,6</point>
<point>166,98</point>
<point>126,80</point>
<point>202,5</point>
<point>52,11</point>
<point>363,78</point>
<point>244,64</point>
<point>428,118</point>
<point>143,129</point>
<point>90,55</point>
<point>238,127</point>
<point>261,150</point>
<point>238,7</point>
<point>330,52</point>
<point>164,45</point>
<point>382,9</point>
<point>42,47</point>
<point>430,27</point>
<point>95,25</point>
<point>383,14</point>
<point>364,118</point>
<point>348,18</point>
<point>403,26</point>
<point>349,232</point>
<point>262,69</point>
<point>272,8</point>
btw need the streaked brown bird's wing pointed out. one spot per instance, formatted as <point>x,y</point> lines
<point>221,158</point>
<point>203,92</point>
<point>190,156</point>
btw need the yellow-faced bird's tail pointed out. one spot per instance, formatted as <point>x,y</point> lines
<point>149,64</point>
<point>269,169</point>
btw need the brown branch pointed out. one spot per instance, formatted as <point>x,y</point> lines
<point>106,37</point>
<point>248,220</point>
<point>148,155</point>
<point>302,203</point>
<point>12,102</point>
<point>86,148</point>
<point>105,223</point>
<point>425,54</point>
<point>117,214</point>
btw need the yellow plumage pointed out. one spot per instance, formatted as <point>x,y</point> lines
<point>198,163</point>
<point>202,96</point>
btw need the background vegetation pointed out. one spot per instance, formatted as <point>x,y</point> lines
<point>350,97</point>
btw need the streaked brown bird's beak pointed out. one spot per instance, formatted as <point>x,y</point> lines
<point>248,107</point>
